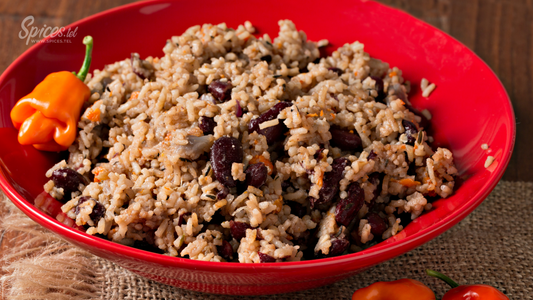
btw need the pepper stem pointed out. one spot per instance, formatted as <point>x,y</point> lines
<point>88,42</point>
<point>443,277</point>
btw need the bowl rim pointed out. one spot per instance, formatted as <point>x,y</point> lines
<point>381,250</point>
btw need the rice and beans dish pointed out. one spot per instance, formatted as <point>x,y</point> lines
<point>245,149</point>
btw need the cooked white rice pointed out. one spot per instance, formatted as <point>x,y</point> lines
<point>426,87</point>
<point>489,161</point>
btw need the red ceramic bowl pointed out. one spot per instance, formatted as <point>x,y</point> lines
<point>470,107</point>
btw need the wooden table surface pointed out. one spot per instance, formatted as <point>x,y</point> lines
<point>499,31</point>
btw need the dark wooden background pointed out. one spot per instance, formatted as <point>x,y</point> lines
<point>499,31</point>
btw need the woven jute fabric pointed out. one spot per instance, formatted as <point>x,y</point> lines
<point>493,245</point>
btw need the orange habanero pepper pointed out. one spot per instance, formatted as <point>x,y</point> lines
<point>468,292</point>
<point>47,118</point>
<point>403,289</point>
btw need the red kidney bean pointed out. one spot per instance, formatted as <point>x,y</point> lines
<point>98,212</point>
<point>330,185</point>
<point>207,125</point>
<point>224,152</point>
<point>345,140</point>
<point>265,258</point>
<point>272,133</point>
<point>222,194</point>
<point>336,70</point>
<point>338,246</point>
<point>98,209</point>
<point>68,179</point>
<point>378,225</point>
<point>273,112</point>
<point>238,109</point>
<point>221,90</point>
<point>410,131</point>
<point>226,251</point>
<point>238,229</point>
<point>256,174</point>
<point>348,207</point>
<point>379,88</point>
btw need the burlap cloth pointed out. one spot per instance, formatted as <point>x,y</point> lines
<point>494,246</point>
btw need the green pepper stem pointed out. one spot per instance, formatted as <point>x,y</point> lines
<point>88,42</point>
<point>443,277</point>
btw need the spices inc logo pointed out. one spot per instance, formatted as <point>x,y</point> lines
<point>34,34</point>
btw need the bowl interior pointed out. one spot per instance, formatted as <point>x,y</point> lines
<point>469,106</point>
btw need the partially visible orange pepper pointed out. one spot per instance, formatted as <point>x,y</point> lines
<point>403,289</point>
<point>408,289</point>
<point>47,118</point>
<point>475,292</point>
<point>468,292</point>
